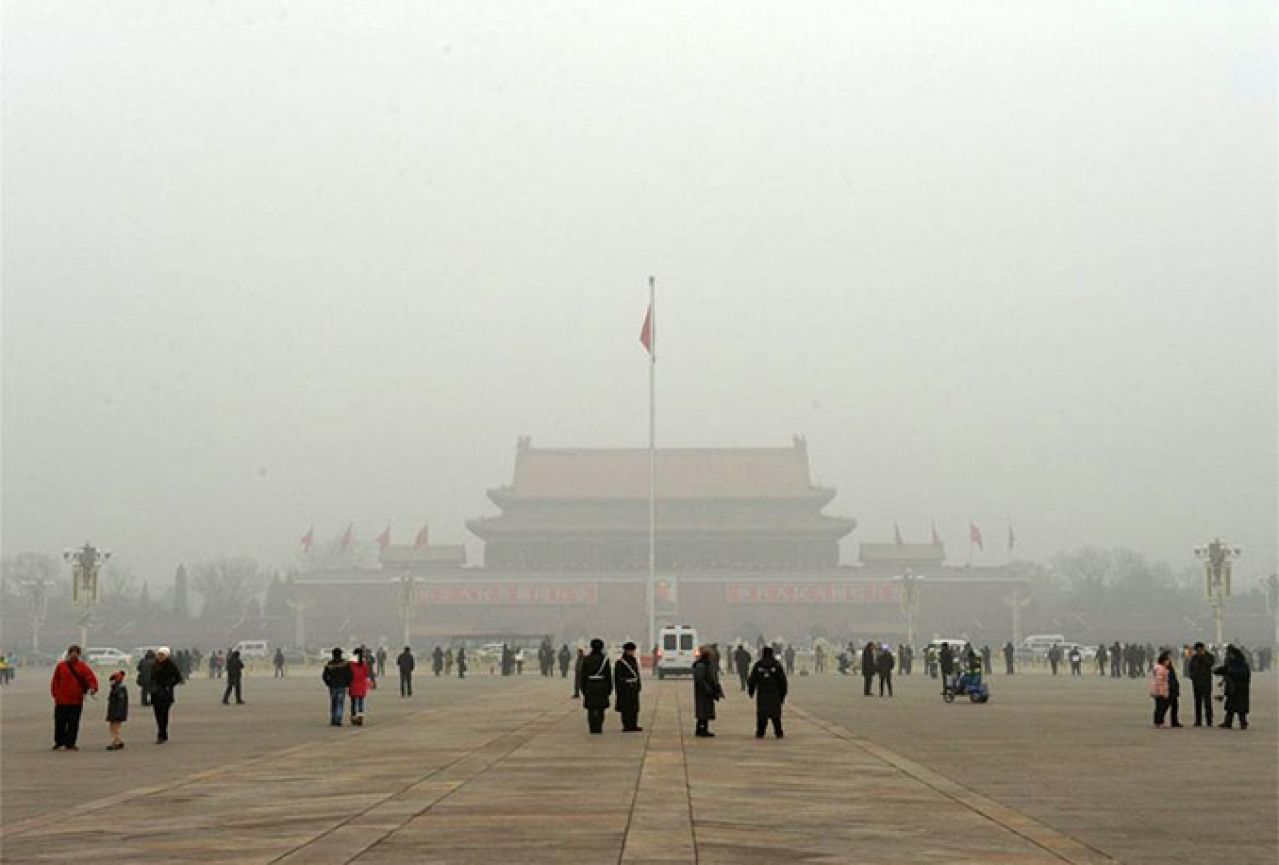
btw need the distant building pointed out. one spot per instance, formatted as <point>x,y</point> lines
<point>588,509</point>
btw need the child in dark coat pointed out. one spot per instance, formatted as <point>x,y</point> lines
<point>117,709</point>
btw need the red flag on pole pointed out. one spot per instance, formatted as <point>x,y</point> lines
<point>974,535</point>
<point>646,332</point>
<point>308,539</point>
<point>936,537</point>
<point>348,537</point>
<point>422,537</point>
<point>384,539</point>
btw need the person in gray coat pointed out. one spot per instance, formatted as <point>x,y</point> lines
<point>706,689</point>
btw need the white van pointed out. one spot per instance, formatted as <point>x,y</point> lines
<point>1037,645</point>
<point>252,649</point>
<point>677,647</point>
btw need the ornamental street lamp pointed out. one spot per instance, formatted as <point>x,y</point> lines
<point>86,563</point>
<point>1217,558</point>
<point>910,602</point>
<point>1016,601</point>
<point>37,595</point>
<point>407,603</point>
<point>1272,603</point>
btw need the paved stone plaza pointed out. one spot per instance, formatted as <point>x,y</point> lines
<point>492,770</point>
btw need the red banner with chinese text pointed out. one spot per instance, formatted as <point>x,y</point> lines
<point>811,593</point>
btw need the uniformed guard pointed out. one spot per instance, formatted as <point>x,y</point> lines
<point>597,685</point>
<point>626,679</point>
<point>767,684</point>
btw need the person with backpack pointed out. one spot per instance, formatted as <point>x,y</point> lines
<point>165,678</point>
<point>767,686</point>
<point>337,677</point>
<point>117,709</point>
<point>234,678</point>
<point>597,686</point>
<point>72,679</point>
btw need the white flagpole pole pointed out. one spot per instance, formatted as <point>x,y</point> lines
<point>652,466</point>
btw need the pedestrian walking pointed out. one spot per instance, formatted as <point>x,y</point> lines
<point>706,690</point>
<point>117,709</point>
<point>1199,671</point>
<point>407,664</point>
<point>597,686</point>
<point>363,680</point>
<point>626,680</point>
<point>868,668</point>
<point>884,662</point>
<point>72,679</point>
<point>381,661</point>
<point>337,676</point>
<point>278,663</point>
<point>767,686</point>
<point>565,658</point>
<point>1238,682</point>
<point>165,678</point>
<point>234,678</point>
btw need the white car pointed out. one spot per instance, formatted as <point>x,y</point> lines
<point>105,657</point>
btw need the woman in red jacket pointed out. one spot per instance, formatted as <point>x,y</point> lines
<point>362,679</point>
<point>72,679</point>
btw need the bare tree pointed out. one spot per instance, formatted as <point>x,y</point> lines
<point>226,585</point>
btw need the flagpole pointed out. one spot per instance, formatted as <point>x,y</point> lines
<point>652,467</point>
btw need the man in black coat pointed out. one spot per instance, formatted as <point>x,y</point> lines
<point>337,676</point>
<point>565,657</point>
<point>946,660</point>
<point>165,677</point>
<point>1010,655</point>
<point>597,686</point>
<point>884,663</point>
<point>1201,664</point>
<point>626,678</point>
<point>742,660</point>
<point>437,660</point>
<point>407,664</point>
<point>868,667</point>
<point>767,685</point>
<point>234,678</point>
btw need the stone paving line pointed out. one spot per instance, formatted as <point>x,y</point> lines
<point>513,776</point>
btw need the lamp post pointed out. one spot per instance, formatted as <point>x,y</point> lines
<point>1272,603</point>
<point>1017,600</point>
<point>1217,558</point>
<point>407,603</point>
<point>910,602</point>
<point>37,594</point>
<point>86,563</point>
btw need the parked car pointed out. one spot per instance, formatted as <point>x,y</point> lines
<point>106,657</point>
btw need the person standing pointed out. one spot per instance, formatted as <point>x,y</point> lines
<point>626,679</point>
<point>278,662</point>
<point>1054,657</point>
<point>213,665</point>
<point>362,681</point>
<point>1101,659</point>
<point>117,709</point>
<point>1174,688</point>
<point>565,658</point>
<point>381,661</point>
<point>234,678</point>
<point>597,686</point>
<point>1010,655</point>
<point>72,679</point>
<point>789,657</point>
<point>742,661</point>
<point>767,686</point>
<point>1076,661</point>
<point>337,676</point>
<point>986,665</point>
<point>1238,680</point>
<point>946,661</point>
<point>1116,659</point>
<point>448,662</point>
<point>144,677</point>
<point>461,662</point>
<point>868,668</point>
<point>1199,670</point>
<point>819,658</point>
<point>407,664</point>
<point>884,668</point>
<point>577,673</point>
<point>437,660</point>
<point>706,690</point>
<point>165,678</point>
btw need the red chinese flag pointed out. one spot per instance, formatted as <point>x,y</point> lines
<point>384,539</point>
<point>646,332</point>
<point>308,539</point>
<point>974,535</point>
<point>422,537</point>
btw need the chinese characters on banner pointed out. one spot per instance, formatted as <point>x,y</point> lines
<point>516,593</point>
<point>811,593</point>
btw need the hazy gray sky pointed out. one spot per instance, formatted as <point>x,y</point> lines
<point>270,264</point>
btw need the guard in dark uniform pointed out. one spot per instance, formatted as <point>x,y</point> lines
<point>626,679</point>
<point>597,685</point>
<point>767,684</point>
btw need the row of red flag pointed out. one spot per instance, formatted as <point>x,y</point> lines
<point>348,538</point>
<point>974,536</point>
